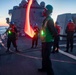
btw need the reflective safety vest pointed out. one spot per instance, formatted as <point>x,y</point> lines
<point>45,33</point>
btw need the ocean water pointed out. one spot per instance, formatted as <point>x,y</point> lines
<point>3,29</point>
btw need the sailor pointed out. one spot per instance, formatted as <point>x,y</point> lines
<point>70,29</point>
<point>56,38</point>
<point>35,37</point>
<point>47,36</point>
<point>12,36</point>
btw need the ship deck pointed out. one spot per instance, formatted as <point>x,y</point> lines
<point>27,61</point>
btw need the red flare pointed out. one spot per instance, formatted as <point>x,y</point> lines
<point>28,29</point>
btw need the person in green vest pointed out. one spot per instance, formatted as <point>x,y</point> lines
<point>12,33</point>
<point>48,31</point>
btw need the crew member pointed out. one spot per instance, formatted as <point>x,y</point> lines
<point>70,29</point>
<point>47,36</point>
<point>35,37</point>
<point>56,38</point>
<point>12,36</point>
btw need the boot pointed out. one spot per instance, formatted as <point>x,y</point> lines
<point>71,50</point>
<point>7,50</point>
<point>53,51</point>
<point>16,49</point>
<point>66,51</point>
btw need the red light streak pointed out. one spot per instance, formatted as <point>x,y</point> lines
<point>28,29</point>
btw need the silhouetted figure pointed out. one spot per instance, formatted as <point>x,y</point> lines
<point>12,36</point>
<point>70,29</point>
<point>35,37</point>
<point>47,33</point>
<point>56,38</point>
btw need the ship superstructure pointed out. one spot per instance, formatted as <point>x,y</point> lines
<point>18,13</point>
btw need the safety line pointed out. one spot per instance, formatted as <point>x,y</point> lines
<point>37,58</point>
<point>67,54</point>
<point>33,57</point>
